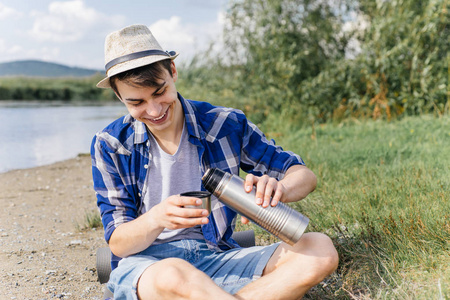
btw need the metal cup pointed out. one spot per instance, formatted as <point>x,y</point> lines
<point>204,196</point>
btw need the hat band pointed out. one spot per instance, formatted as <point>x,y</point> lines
<point>135,55</point>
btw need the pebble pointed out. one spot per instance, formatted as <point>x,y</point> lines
<point>50,272</point>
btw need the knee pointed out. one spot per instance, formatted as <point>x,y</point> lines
<point>322,251</point>
<point>172,276</point>
<point>321,254</point>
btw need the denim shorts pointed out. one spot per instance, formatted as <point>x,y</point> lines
<point>231,270</point>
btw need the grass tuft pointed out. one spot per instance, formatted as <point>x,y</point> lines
<point>92,220</point>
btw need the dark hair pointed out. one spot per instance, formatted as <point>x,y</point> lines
<point>146,76</point>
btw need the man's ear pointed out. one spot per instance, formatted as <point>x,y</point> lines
<point>174,71</point>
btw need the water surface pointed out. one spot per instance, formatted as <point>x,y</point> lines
<point>39,133</point>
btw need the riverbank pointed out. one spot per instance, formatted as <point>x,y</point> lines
<point>44,255</point>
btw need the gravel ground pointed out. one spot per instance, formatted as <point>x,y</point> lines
<point>43,253</point>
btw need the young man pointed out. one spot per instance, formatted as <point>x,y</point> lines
<point>143,161</point>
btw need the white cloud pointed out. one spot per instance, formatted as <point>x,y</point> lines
<point>15,49</point>
<point>187,38</point>
<point>7,12</point>
<point>173,35</point>
<point>69,21</point>
<point>7,50</point>
<point>217,31</point>
<point>50,53</point>
<point>10,52</point>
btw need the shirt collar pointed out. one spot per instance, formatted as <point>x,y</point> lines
<point>140,132</point>
<point>190,118</point>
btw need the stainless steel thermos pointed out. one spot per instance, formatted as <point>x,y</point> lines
<point>282,221</point>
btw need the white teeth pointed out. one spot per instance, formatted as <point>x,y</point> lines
<point>157,119</point>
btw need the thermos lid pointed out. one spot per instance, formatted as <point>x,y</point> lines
<point>212,178</point>
<point>199,194</point>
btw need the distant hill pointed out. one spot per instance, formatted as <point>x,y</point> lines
<point>36,68</point>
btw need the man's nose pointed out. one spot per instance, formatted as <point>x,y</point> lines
<point>154,109</point>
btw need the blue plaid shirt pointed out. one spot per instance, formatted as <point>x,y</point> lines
<point>225,139</point>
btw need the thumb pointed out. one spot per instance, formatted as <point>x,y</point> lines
<point>244,220</point>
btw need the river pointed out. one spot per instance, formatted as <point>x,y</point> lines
<point>40,133</point>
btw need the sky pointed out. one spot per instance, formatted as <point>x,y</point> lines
<point>72,32</point>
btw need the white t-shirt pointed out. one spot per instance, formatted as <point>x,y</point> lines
<point>172,175</point>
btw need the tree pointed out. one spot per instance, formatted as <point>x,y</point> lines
<point>293,53</point>
<point>275,45</point>
<point>405,54</point>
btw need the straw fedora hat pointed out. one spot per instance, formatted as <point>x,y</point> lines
<point>129,48</point>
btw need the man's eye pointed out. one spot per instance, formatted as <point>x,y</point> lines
<point>161,92</point>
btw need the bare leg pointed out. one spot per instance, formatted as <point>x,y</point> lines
<point>293,270</point>
<point>174,278</point>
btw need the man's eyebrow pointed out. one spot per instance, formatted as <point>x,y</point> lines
<point>131,100</point>
<point>158,88</point>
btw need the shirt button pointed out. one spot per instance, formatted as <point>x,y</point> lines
<point>139,194</point>
<point>146,166</point>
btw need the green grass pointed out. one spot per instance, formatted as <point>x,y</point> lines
<point>91,220</point>
<point>383,197</point>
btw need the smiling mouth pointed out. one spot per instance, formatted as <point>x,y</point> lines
<point>160,119</point>
<point>157,119</point>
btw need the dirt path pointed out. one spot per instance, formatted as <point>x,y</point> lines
<point>43,254</point>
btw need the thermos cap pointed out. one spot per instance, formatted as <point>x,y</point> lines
<point>212,178</point>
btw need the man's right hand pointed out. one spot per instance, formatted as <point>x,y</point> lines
<point>136,235</point>
<point>172,214</point>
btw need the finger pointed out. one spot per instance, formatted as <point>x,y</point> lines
<point>175,206</point>
<point>269,191</point>
<point>179,222</point>
<point>244,220</point>
<point>183,201</point>
<point>175,200</point>
<point>260,189</point>
<point>189,212</point>
<point>277,196</point>
<point>193,212</point>
<point>249,182</point>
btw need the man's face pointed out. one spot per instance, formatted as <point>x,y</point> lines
<point>157,107</point>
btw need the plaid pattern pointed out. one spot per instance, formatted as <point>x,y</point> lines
<point>225,139</point>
